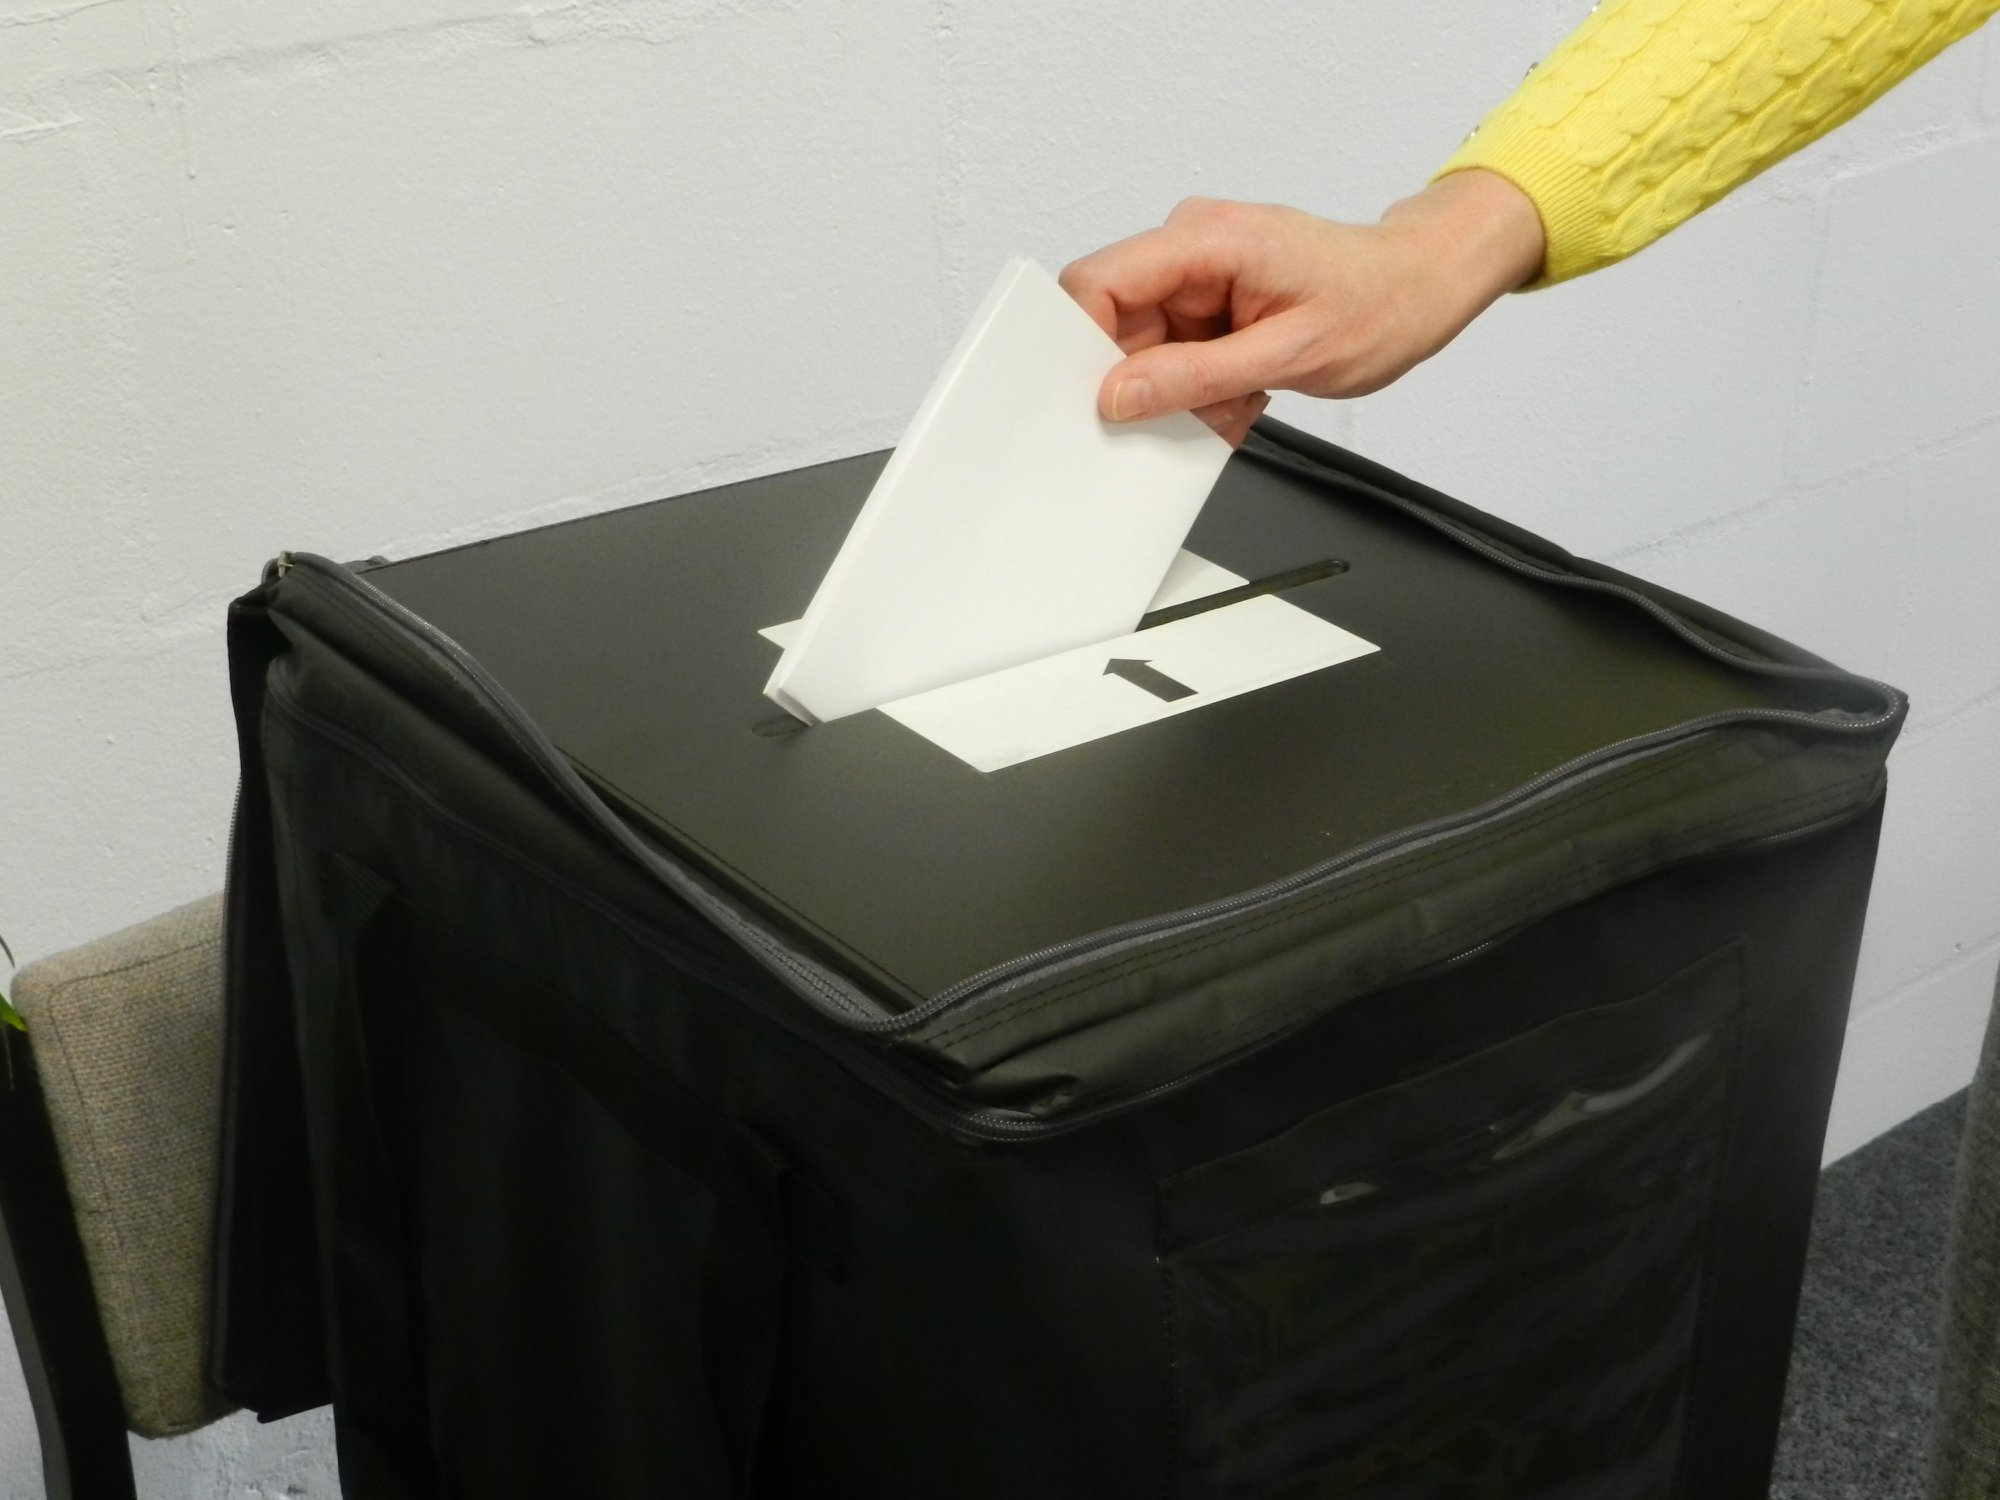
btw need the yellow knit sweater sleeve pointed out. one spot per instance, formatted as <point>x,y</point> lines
<point>1653,109</point>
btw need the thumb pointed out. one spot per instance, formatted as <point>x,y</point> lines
<point>1180,376</point>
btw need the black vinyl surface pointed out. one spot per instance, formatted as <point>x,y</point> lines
<point>631,638</point>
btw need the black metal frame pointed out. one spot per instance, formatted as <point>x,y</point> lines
<point>51,1303</point>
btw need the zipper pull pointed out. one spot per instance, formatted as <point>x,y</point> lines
<point>279,566</point>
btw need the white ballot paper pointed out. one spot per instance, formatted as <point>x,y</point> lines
<point>1011,522</point>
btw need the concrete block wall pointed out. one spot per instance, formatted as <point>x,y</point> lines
<point>381,275</point>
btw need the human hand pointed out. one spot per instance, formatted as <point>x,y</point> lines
<point>1226,301</point>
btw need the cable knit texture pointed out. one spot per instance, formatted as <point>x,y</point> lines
<point>1653,109</point>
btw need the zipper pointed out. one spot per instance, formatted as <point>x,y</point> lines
<point>1002,1125</point>
<point>229,848</point>
<point>981,1122</point>
<point>854,1009</point>
<point>1059,958</point>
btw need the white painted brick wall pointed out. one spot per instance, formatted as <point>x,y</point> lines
<point>379,275</point>
<point>1907,347</point>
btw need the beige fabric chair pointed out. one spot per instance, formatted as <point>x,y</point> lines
<point>126,1036</point>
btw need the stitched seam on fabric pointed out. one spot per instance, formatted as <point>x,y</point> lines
<point>1451,852</point>
<point>85,976</point>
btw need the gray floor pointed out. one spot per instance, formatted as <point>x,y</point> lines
<point>1858,1407</point>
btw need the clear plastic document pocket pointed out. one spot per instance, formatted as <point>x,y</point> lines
<point>1390,1301</point>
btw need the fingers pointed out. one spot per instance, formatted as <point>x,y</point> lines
<point>1231,420</point>
<point>1184,376</point>
<point>1171,298</point>
<point>1228,299</point>
<point>1173,272</point>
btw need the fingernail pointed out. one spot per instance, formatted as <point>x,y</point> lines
<point>1131,398</point>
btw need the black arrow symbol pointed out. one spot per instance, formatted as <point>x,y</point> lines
<point>1143,675</point>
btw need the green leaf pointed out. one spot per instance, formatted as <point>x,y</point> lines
<point>8,1015</point>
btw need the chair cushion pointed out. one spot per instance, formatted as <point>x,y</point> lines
<point>127,1036</point>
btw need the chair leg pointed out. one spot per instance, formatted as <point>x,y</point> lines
<point>51,1304</point>
<point>1965,1446</point>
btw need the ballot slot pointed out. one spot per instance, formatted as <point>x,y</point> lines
<point>1209,635</point>
<point>1277,583</point>
<point>1180,595</point>
<point>1189,581</point>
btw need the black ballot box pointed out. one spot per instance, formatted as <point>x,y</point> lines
<point>1369,1034</point>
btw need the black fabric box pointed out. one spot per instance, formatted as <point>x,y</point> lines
<point>1406,1079</point>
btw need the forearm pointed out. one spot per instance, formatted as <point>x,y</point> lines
<point>1481,235</point>
<point>1653,109</point>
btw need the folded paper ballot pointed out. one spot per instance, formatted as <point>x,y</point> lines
<point>1011,522</point>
